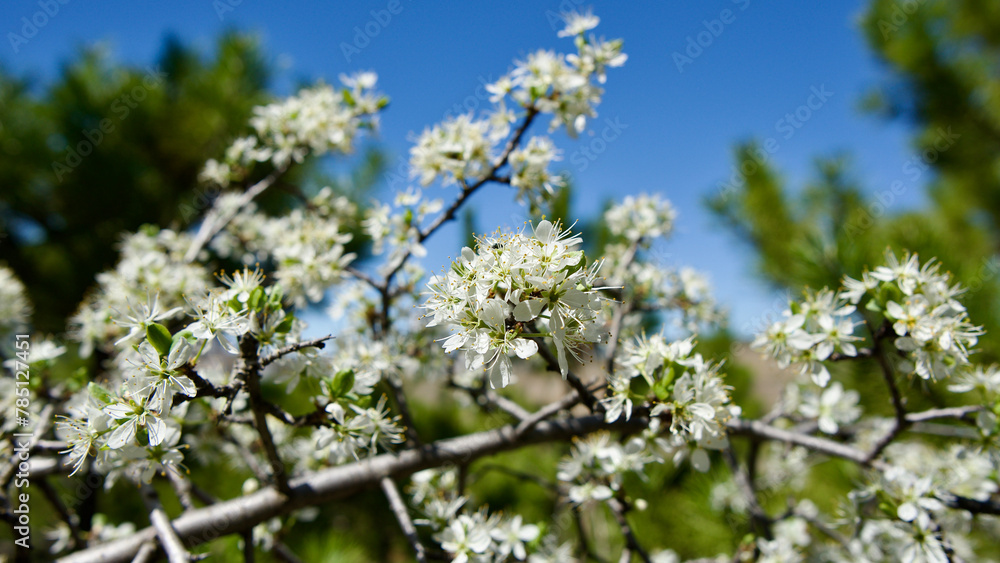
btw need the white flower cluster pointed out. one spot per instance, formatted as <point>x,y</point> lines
<point>780,469</point>
<point>151,264</point>
<point>318,120</point>
<point>399,228</point>
<point>513,289</point>
<point>530,169</point>
<point>811,331</point>
<point>985,382</point>
<point>643,217</point>
<point>596,466</point>
<point>305,246</point>
<point>465,149</point>
<point>135,426</point>
<point>355,429</point>
<point>831,408</point>
<point>647,282</point>
<point>564,85</point>
<point>675,381</point>
<point>456,150</point>
<point>14,306</point>
<point>933,328</point>
<point>475,536</point>
<point>790,538</point>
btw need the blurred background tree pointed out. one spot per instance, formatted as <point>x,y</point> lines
<point>942,69</point>
<point>941,60</point>
<point>106,148</point>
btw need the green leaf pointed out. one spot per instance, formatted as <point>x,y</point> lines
<point>99,393</point>
<point>348,97</point>
<point>255,296</point>
<point>639,386</point>
<point>285,325</point>
<point>159,337</point>
<point>873,306</point>
<point>343,382</point>
<point>182,335</point>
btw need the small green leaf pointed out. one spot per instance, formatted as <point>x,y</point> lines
<point>255,297</point>
<point>159,337</point>
<point>639,386</point>
<point>182,335</point>
<point>275,296</point>
<point>348,97</point>
<point>285,325</point>
<point>343,382</point>
<point>873,306</point>
<point>99,393</point>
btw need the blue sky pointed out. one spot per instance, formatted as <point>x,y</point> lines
<point>676,123</point>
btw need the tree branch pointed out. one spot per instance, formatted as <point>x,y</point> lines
<point>248,370</point>
<point>314,343</point>
<point>619,509</point>
<point>208,523</point>
<point>403,517</point>
<point>215,221</point>
<point>890,380</point>
<point>176,553</point>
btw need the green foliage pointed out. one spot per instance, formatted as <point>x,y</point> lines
<point>106,148</point>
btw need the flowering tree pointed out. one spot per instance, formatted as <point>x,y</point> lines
<point>185,359</point>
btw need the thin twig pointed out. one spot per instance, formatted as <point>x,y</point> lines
<point>507,405</point>
<point>215,221</point>
<point>172,545</point>
<point>950,412</point>
<point>759,519</point>
<point>314,343</point>
<point>466,192</point>
<point>283,553</point>
<point>888,374</point>
<point>529,422</point>
<point>248,551</point>
<point>756,428</point>
<point>146,553</point>
<point>412,437</point>
<point>182,487</point>
<point>621,310</point>
<point>403,517</point>
<point>619,509</point>
<point>60,507</point>
<point>549,485</point>
<point>326,485</point>
<point>248,370</point>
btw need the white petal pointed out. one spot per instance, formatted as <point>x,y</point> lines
<point>527,310</point>
<point>157,430</point>
<point>122,435</point>
<point>525,348</point>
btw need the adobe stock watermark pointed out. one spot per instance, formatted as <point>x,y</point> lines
<point>223,7</point>
<point>699,42</point>
<point>121,108</point>
<point>913,169</point>
<point>900,14</point>
<point>557,19</point>
<point>364,34</point>
<point>583,156</point>
<point>23,442</point>
<point>31,25</point>
<point>786,128</point>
